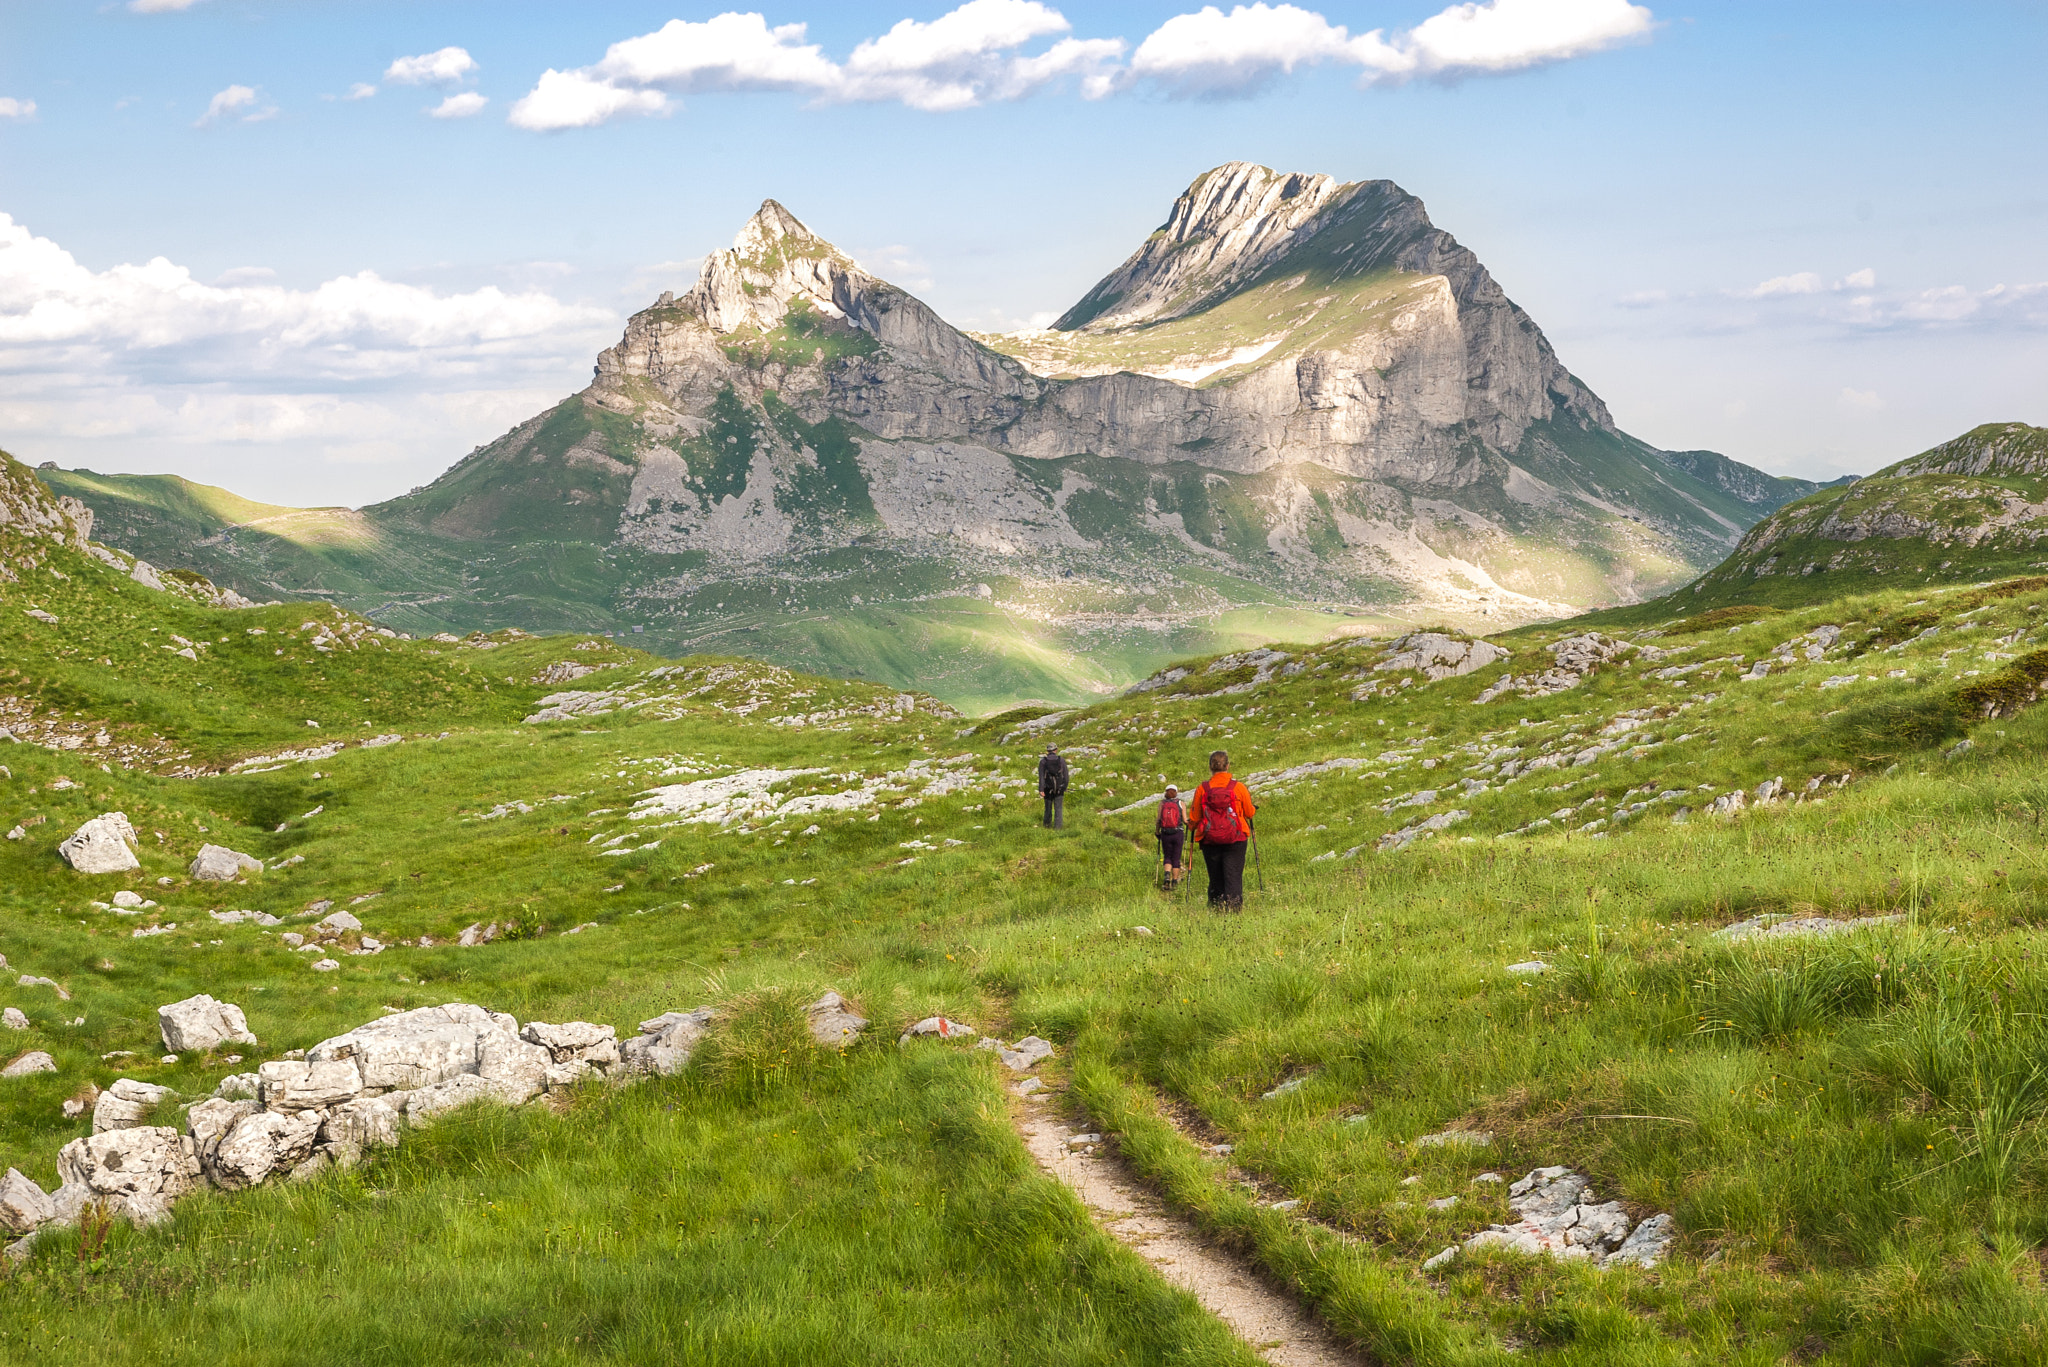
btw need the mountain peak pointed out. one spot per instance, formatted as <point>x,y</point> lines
<point>770,225</point>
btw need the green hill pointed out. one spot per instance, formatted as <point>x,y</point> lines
<point>1845,1128</point>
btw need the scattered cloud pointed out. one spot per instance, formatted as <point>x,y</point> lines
<point>160,6</point>
<point>357,368</point>
<point>1643,299</point>
<point>11,108</point>
<point>236,104</point>
<point>1212,55</point>
<point>969,56</point>
<point>898,264</point>
<point>1778,286</point>
<point>361,90</point>
<point>444,67</point>
<point>459,106</point>
<point>1859,401</point>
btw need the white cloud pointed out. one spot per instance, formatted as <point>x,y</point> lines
<point>358,368</point>
<point>575,99</point>
<point>1644,299</point>
<point>459,106</point>
<point>1779,286</point>
<point>1865,279</point>
<point>245,275</point>
<point>160,6</point>
<point>1212,55</point>
<point>1859,401</point>
<point>361,90</point>
<point>966,57</point>
<point>11,108</point>
<point>448,65</point>
<point>231,103</point>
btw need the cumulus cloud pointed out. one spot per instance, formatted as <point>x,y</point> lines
<point>444,67</point>
<point>135,359</point>
<point>11,108</point>
<point>969,56</point>
<point>236,104</point>
<point>459,106</point>
<point>361,90</point>
<point>1213,55</point>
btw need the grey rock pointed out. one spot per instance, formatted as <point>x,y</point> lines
<point>1028,1086</point>
<point>326,965</point>
<point>1441,1203</point>
<point>137,1172</point>
<point>1648,1244</point>
<point>517,1065</point>
<point>1455,1139</point>
<point>665,1043</point>
<point>417,1048</point>
<point>354,1126</point>
<point>574,1040</point>
<point>561,1076</point>
<point>261,1144</point>
<point>1532,966</point>
<point>1025,1054</point>
<point>24,1206</point>
<point>426,1103</point>
<point>1434,1261</point>
<point>239,1087</point>
<point>209,1121</point>
<point>105,844</point>
<point>125,1103</point>
<point>936,1027</point>
<point>199,1023</point>
<point>291,1086</point>
<point>219,864</point>
<point>833,1022</point>
<point>336,922</point>
<point>34,1061</point>
<point>230,918</point>
<point>1287,1088</point>
<point>13,1019</point>
<point>28,980</point>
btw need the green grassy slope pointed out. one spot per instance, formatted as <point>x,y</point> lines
<point>1848,1131</point>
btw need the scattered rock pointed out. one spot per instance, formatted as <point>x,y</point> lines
<point>133,1172</point>
<point>664,1044</point>
<point>105,844</point>
<point>24,1206</point>
<point>1141,930</point>
<point>833,1021</point>
<point>1293,1203</point>
<point>1025,1054</point>
<point>126,898</point>
<point>1287,1088</point>
<point>28,980</point>
<point>1532,966</point>
<point>261,918</point>
<point>326,966</point>
<point>1028,1086</point>
<point>477,934</point>
<point>197,1024</point>
<point>219,864</point>
<point>1441,1203</point>
<point>1560,1219</point>
<point>125,1104</point>
<point>13,1019</point>
<point>1455,1139</point>
<point>1438,656</point>
<point>34,1061</point>
<point>260,1144</point>
<point>1437,1260</point>
<point>935,1026</point>
<point>335,923</point>
<point>1759,928</point>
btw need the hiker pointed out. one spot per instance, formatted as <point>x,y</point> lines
<point>1172,829</point>
<point>1052,786</point>
<point>1222,817</point>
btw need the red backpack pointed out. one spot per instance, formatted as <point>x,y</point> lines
<point>1169,814</point>
<point>1216,812</point>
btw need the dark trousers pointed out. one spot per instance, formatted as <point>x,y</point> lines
<point>1056,810</point>
<point>1170,846</point>
<point>1226,873</point>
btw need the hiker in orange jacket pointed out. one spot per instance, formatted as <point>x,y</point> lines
<point>1221,814</point>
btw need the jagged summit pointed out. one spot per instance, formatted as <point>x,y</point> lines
<point>1223,229</point>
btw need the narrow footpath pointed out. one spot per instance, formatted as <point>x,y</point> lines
<point>1275,1327</point>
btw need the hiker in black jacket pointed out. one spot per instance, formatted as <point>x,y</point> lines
<point>1052,786</point>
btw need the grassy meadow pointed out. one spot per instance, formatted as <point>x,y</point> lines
<point>1846,1129</point>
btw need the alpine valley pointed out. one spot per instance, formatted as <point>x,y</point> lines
<point>1298,410</point>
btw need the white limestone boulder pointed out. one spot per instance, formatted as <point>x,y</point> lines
<point>24,1206</point>
<point>34,1061</point>
<point>219,864</point>
<point>136,1172</point>
<point>423,1105</point>
<point>418,1048</point>
<point>368,1122</point>
<point>105,844</point>
<point>199,1023</point>
<point>263,1143</point>
<point>517,1066</point>
<point>125,1104</point>
<point>292,1085</point>
<point>575,1041</point>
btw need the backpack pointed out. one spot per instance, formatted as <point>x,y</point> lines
<point>1218,816</point>
<point>1169,814</point>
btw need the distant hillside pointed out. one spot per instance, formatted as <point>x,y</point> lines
<point>1970,509</point>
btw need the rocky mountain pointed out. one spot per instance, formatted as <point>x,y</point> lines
<point>1298,399</point>
<point>1969,509</point>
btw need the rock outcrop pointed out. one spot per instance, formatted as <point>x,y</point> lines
<point>219,864</point>
<point>197,1024</point>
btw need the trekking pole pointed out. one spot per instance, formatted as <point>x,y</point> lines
<point>1256,863</point>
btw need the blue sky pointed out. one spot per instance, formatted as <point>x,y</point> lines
<point>1810,235</point>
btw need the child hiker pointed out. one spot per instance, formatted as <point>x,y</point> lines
<point>1172,829</point>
